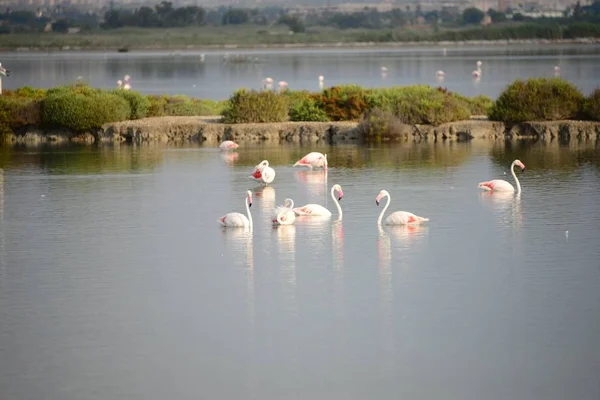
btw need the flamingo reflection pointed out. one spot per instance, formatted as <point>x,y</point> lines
<point>315,181</point>
<point>286,245</point>
<point>230,158</point>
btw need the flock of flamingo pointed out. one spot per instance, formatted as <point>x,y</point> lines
<point>286,214</point>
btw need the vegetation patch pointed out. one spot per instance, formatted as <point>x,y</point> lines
<point>538,99</point>
<point>591,106</point>
<point>253,106</point>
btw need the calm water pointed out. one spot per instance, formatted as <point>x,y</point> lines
<point>117,283</point>
<point>183,73</point>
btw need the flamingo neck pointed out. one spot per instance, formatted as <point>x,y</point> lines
<point>248,212</point>
<point>512,171</point>
<point>337,204</point>
<point>387,204</point>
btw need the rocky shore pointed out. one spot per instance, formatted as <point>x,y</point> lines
<point>210,131</point>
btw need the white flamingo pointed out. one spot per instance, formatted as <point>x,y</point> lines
<point>284,215</point>
<point>440,75</point>
<point>5,72</point>
<point>282,86</point>
<point>398,217</point>
<point>238,220</point>
<point>321,82</point>
<point>228,145</point>
<point>268,83</point>
<point>477,72</point>
<point>500,185</point>
<point>313,160</point>
<point>119,84</point>
<point>556,70</point>
<point>316,210</point>
<point>263,173</point>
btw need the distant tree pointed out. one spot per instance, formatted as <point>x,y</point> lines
<point>147,17</point>
<point>473,15</point>
<point>112,19</point>
<point>496,16</point>
<point>21,17</point>
<point>235,16</point>
<point>518,17</point>
<point>577,12</point>
<point>432,16</point>
<point>293,23</point>
<point>60,26</point>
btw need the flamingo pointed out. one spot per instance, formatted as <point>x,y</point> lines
<point>284,215</point>
<point>238,220</point>
<point>440,74</point>
<point>500,185</point>
<point>316,210</point>
<point>126,83</point>
<point>263,173</point>
<point>321,81</point>
<point>556,70</point>
<point>282,86</point>
<point>120,84</point>
<point>477,72</point>
<point>398,217</point>
<point>313,160</point>
<point>228,145</point>
<point>268,83</point>
<point>5,72</point>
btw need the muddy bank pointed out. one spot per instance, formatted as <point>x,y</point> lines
<point>209,131</point>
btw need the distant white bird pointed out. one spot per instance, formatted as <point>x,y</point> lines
<point>556,70</point>
<point>202,57</point>
<point>268,83</point>
<point>321,82</point>
<point>477,72</point>
<point>126,83</point>
<point>282,86</point>
<point>5,72</point>
<point>440,75</point>
<point>119,84</point>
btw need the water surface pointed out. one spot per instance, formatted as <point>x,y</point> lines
<point>182,72</point>
<point>116,282</point>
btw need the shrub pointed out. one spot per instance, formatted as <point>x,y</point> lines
<point>343,103</point>
<point>25,92</point>
<point>380,124</point>
<point>537,99</point>
<point>252,106</point>
<point>157,106</point>
<point>20,112</point>
<point>82,108</point>
<point>183,106</point>
<point>138,103</point>
<point>591,106</point>
<point>478,105</point>
<point>307,110</point>
<point>420,104</point>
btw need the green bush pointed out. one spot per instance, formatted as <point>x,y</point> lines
<point>591,106</point>
<point>538,99</point>
<point>307,110</point>
<point>252,106</point>
<point>82,108</point>
<point>343,103</point>
<point>25,92</point>
<point>420,104</point>
<point>20,112</point>
<point>380,124</point>
<point>138,103</point>
<point>183,106</point>
<point>478,105</point>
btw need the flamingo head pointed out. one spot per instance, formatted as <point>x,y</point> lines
<point>380,196</point>
<point>519,164</point>
<point>262,165</point>
<point>339,191</point>
<point>249,198</point>
<point>126,78</point>
<point>288,203</point>
<point>479,63</point>
<point>321,78</point>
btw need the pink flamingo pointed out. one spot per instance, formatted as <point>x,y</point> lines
<point>499,185</point>
<point>237,220</point>
<point>398,217</point>
<point>126,84</point>
<point>313,160</point>
<point>119,84</point>
<point>282,86</point>
<point>228,145</point>
<point>477,72</point>
<point>263,173</point>
<point>284,215</point>
<point>316,210</point>
<point>556,70</point>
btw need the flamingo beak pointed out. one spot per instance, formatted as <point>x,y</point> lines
<point>377,201</point>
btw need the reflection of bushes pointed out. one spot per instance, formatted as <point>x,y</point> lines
<point>252,106</point>
<point>538,99</point>
<point>591,106</point>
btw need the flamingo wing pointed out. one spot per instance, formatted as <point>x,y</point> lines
<point>404,218</point>
<point>312,159</point>
<point>496,185</point>
<point>268,174</point>
<point>312,210</point>
<point>234,219</point>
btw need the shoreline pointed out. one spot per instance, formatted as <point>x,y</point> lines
<point>325,45</point>
<point>209,130</point>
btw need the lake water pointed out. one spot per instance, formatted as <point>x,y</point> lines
<point>116,281</point>
<point>183,73</point>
